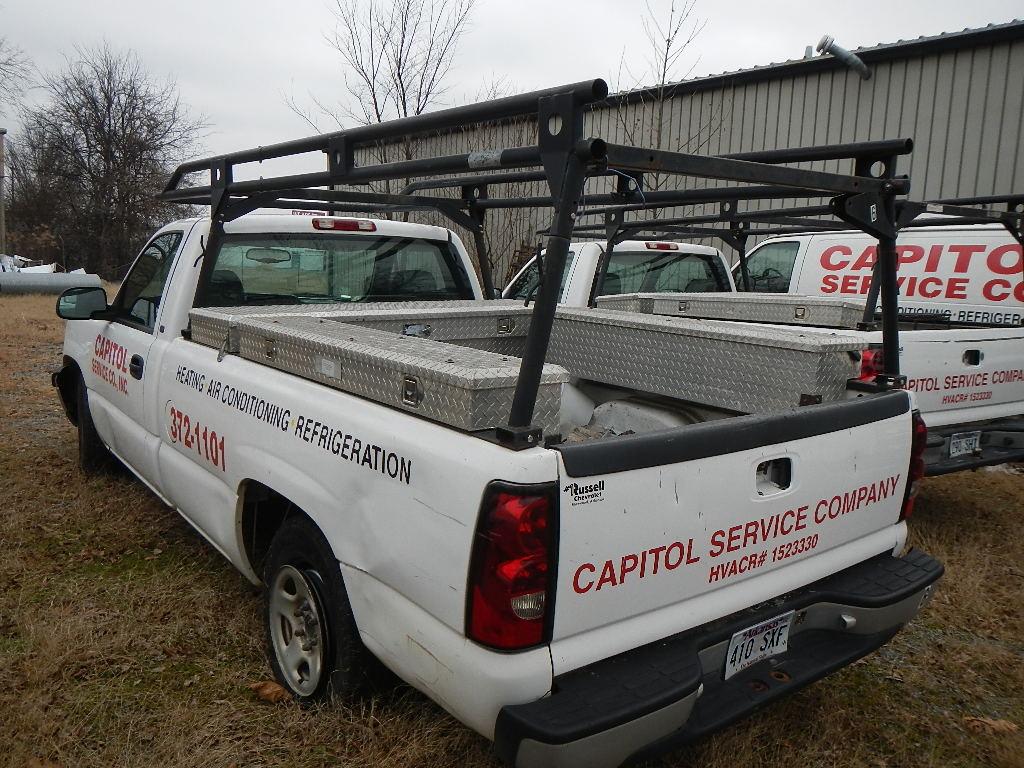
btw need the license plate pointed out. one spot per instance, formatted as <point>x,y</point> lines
<point>964,443</point>
<point>757,643</point>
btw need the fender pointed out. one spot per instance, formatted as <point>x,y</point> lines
<point>65,381</point>
<point>305,491</point>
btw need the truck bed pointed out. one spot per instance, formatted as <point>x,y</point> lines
<point>456,362</point>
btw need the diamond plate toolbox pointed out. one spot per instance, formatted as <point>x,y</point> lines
<point>737,367</point>
<point>389,353</point>
<point>820,311</point>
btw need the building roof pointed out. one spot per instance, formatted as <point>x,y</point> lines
<point>920,46</point>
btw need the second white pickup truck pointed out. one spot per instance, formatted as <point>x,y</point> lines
<point>962,345</point>
<point>968,377</point>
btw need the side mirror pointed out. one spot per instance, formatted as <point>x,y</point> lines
<point>81,303</point>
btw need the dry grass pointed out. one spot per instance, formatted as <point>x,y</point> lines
<point>126,640</point>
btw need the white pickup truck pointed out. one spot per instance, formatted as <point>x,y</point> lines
<point>319,405</point>
<point>969,380</point>
<point>962,340</point>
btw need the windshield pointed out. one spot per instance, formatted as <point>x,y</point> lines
<point>296,268</point>
<point>662,272</point>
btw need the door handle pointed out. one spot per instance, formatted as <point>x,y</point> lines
<point>135,366</point>
<point>973,357</point>
<point>773,476</point>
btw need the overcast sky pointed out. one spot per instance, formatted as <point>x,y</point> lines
<point>236,61</point>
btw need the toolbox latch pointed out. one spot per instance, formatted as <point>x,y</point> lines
<point>417,330</point>
<point>412,393</point>
<point>231,345</point>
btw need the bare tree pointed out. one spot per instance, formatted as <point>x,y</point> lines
<point>15,73</point>
<point>92,155</point>
<point>656,77</point>
<point>396,56</point>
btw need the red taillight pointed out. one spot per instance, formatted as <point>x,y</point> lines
<point>662,246</point>
<point>513,564</point>
<point>345,225</point>
<point>871,363</point>
<point>918,444</point>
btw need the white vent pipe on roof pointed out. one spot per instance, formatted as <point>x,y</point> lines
<point>827,44</point>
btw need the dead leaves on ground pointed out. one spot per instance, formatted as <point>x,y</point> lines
<point>270,692</point>
<point>990,725</point>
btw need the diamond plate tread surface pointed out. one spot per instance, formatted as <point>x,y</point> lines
<point>731,366</point>
<point>383,309</point>
<point>723,330</point>
<point>465,387</point>
<point>497,326</point>
<point>823,311</point>
<point>628,302</point>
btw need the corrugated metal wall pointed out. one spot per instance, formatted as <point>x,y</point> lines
<point>963,107</point>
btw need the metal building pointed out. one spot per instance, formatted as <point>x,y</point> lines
<point>958,95</point>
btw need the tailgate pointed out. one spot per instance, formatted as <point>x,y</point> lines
<point>655,523</point>
<point>965,375</point>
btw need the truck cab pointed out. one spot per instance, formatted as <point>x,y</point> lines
<point>267,259</point>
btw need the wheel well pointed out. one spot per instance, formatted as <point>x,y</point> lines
<point>264,510</point>
<point>66,382</point>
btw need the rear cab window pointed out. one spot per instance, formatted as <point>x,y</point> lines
<point>658,271</point>
<point>302,268</point>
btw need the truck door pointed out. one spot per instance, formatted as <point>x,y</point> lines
<point>118,374</point>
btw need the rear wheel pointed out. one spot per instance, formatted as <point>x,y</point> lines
<point>93,455</point>
<point>298,635</point>
<point>313,642</point>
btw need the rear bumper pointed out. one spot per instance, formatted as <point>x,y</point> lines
<point>642,703</point>
<point>1001,441</point>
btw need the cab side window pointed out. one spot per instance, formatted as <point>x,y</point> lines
<point>139,299</point>
<point>770,268</point>
<point>528,282</point>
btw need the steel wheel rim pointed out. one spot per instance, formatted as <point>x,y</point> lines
<point>297,630</point>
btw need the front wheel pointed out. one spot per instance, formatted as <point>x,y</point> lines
<point>312,638</point>
<point>93,455</point>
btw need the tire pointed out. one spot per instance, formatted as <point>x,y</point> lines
<point>93,456</point>
<point>311,634</point>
